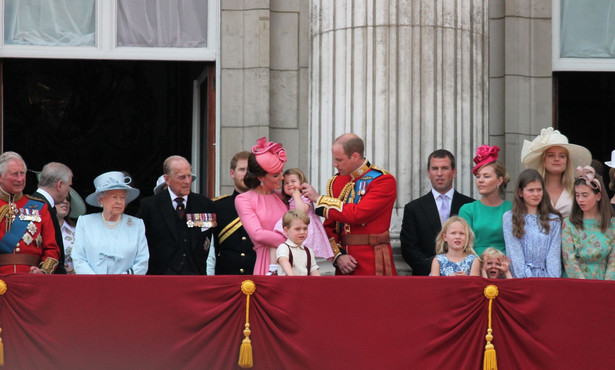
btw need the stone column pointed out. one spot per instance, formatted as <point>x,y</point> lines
<point>409,76</point>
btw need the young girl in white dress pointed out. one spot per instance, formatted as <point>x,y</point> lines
<point>455,250</point>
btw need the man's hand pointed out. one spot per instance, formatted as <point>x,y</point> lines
<point>308,191</point>
<point>35,270</point>
<point>346,264</point>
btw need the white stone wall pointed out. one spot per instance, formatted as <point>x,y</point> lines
<point>264,79</point>
<point>520,76</point>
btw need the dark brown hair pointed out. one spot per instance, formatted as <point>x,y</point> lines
<point>254,172</point>
<point>604,208</point>
<point>545,209</point>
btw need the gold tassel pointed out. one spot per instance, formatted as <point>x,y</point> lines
<point>2,291</point>
<point>490,360</point>
<point>245,351</point>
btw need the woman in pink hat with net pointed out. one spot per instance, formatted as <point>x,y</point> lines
<point>261,207</point>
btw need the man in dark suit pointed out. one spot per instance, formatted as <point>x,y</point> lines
<point>235,253</point>
<point>178,223</point>
<point>53,187</point>
<point>423,217</point>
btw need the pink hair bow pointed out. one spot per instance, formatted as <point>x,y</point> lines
<point>588,174</point>
<point>269,155</point>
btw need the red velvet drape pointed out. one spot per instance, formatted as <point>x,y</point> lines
<point>128,322</point>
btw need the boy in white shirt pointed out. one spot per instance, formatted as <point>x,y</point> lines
<point>295,259</point>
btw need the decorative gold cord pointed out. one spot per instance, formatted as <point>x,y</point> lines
<point>490,359</point>
<point>245,351</point>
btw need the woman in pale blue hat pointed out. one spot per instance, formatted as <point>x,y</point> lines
<point>110,242</point>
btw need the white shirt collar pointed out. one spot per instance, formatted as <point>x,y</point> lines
<point>449,193</point>
<point>47,196</point>
<point>290,243</point>
<point>173,196</point>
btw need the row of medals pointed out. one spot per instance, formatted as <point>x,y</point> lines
<point>203,220</point>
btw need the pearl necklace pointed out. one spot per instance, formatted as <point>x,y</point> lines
<point>111,224</point>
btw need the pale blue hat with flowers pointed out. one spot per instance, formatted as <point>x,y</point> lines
<point>113,180</point>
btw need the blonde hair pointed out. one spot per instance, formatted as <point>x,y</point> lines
<point>292,171</point>
<point>567,175</point>
<point>491,253</point>
<point>500,171</point>
<point>442,246</point>
<point>292,215</point>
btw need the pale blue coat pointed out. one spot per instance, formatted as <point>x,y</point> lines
<point>102,250</point>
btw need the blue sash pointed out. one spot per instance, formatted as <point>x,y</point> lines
<point>360,185</point>
<point>18,228</point>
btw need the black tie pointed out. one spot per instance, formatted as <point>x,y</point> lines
<point>181,210</point>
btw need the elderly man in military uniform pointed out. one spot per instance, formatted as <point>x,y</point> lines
<point>358,208</point>
<point>235,253</point>
<point>28,243</point>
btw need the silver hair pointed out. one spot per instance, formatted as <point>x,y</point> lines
<point>52,173</point>
<point>6,157</point>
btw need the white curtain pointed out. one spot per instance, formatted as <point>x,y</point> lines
<point>587,29</point>
<point>50,22</point>
<point>162,23</point>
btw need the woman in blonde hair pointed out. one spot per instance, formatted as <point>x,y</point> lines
<point>485,214</point>
<point>555,159</point>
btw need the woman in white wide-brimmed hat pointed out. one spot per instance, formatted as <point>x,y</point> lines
<point>110,242</point>
<point>555,159</point>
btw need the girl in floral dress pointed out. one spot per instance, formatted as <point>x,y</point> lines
<point>587,235</point>
<point>455,250</point>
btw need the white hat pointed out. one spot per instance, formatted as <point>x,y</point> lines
<point>160,184</point>
<point>531,153</point>
<point>113,180</point>
<point>612,162</point>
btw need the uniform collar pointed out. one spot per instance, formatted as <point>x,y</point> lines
<point>7,197</point>
<point>365,167</point>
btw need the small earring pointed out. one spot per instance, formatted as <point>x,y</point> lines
<point>498,186</point>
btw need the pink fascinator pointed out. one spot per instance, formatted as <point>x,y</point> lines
<point>485,154</point>
<point>269,155</point>
<point>588,174</point>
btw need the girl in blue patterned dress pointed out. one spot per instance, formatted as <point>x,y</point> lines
<point>455,250</point>
<point>532,230</point>
<point>588,250</point>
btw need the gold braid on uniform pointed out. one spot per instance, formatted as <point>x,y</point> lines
<point>8,210</point>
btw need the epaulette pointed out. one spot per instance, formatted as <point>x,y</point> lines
<point>384,172</point>
<point>221,197</point>
<point>35,198</point>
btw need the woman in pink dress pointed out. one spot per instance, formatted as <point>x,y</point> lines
<point>261,207</point>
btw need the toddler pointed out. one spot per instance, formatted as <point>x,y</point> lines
<point>295,259</point>
<point>455,250</point>
<point>317,238</point>
<point>495,264</point>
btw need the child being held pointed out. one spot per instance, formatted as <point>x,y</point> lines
<point>495,264</point>
<point>455,250</point>
<point>294,258</point>
<point>317,236</point>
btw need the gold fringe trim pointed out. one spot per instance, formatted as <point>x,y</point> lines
<point>245,351</point>
<point>490,360</point>
<point>2,291</point>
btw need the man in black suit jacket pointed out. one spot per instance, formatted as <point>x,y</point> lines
<point>178,239</point>
<point>235,253</point>
<point>422,221</point>
<point>53,187</point>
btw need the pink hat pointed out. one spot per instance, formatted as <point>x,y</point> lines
<point>269,155</point>
<point>485,154</point>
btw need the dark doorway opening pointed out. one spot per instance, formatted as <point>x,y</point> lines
<point>584,111</point>
<point>100,115</point>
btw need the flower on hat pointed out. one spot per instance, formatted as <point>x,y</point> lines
<point>588,173</point>
<point>485,154</point>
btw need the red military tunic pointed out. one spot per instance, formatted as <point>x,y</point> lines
<point>358,210</point>
<point>38,240</point>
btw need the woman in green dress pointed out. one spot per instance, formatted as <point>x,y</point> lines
<point>485,214</point>
<point>588,234</point>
